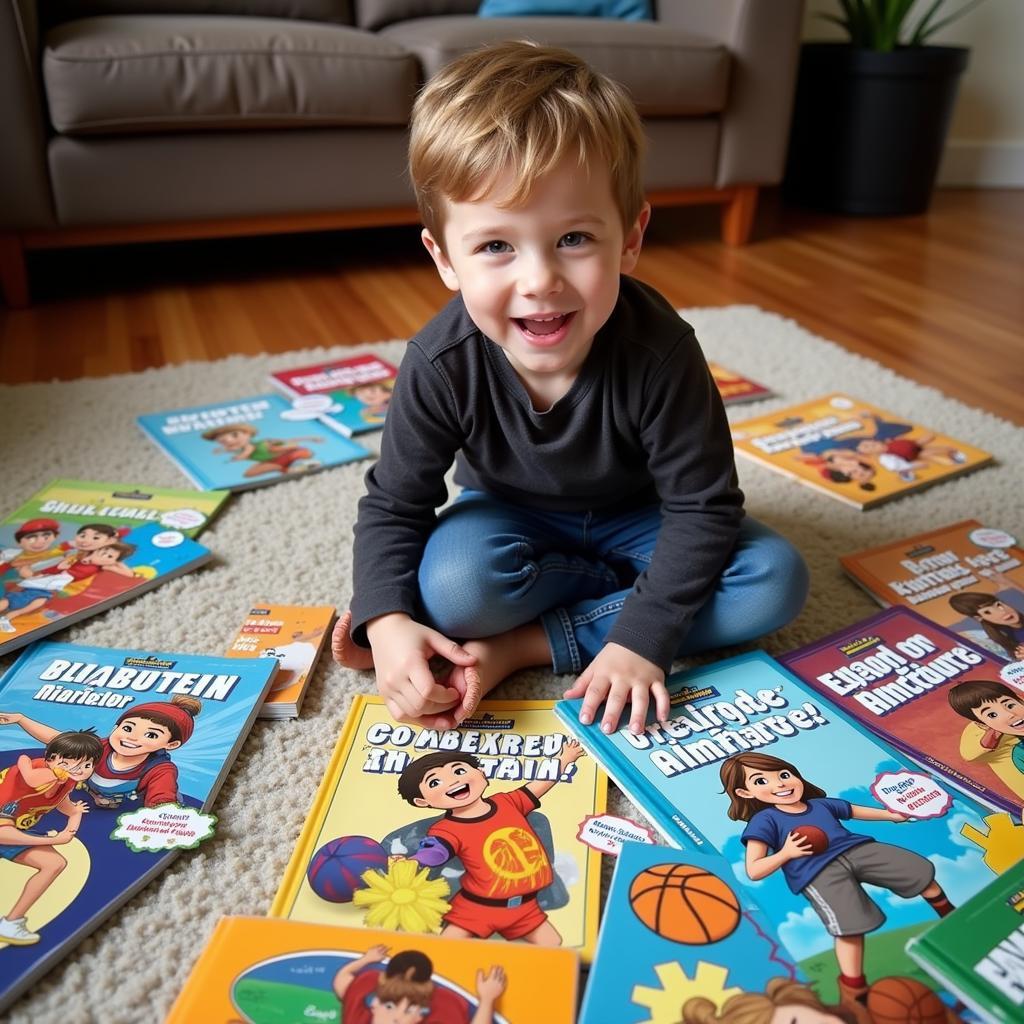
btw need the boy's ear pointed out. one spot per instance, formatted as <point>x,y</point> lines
<point>444,268</point>
<point>634,240</point>
<point>420,802</point>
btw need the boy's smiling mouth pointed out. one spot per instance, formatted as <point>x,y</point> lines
<point>545,329</point>
<point>459,792</point>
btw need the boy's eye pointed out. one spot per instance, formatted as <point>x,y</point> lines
<point>433,783</point>
<point>572,239</point>
<point>459,771</point>
<point>495,247</point>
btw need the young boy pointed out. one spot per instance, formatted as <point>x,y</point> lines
<point>995,735</point>
<point>600,530</point>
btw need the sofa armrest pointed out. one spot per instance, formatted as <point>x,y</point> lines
<point>763,37</point>
<point>25,197</point>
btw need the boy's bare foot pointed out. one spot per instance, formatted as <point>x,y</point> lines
<point>345,650</point>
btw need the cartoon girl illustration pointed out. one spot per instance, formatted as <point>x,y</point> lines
<point>795,826</point>
<point>1003,624</point>
<point>136,760</point>
<point>783,1001</point>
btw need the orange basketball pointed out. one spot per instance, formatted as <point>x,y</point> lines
<point>904,1001</point>
<point>684,903</point>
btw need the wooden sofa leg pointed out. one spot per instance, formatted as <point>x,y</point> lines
<point>738,215</point>
<point>13,272</point>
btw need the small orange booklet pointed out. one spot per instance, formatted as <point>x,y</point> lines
<point>295,635</point>
<point>268,971</point>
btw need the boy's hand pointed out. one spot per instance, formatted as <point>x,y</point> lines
<point>615,675</point>
<point>402,649</point>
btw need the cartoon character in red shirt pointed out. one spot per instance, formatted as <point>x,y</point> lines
<point>504,860</point>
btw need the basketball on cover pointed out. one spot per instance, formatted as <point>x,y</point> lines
<point>684,903</point>
<point>335,869</point>
<point>814,836</point>
<point>904,1001</point>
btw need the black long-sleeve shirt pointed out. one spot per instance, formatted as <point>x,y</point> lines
<point>642,423</point>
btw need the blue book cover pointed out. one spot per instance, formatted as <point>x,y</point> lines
<point>848,847</point>
<point>56,570</point>
<point>109,761</point>
<point>247,442</point>
<point>680,931</point>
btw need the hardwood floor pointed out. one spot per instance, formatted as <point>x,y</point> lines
<point>939,298</point>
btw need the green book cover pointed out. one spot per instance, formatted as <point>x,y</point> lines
<point>977,952</point>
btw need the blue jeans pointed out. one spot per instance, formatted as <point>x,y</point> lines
<point>491,565</point>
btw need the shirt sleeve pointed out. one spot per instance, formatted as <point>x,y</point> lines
<point>159,785</point>
<point>684,431</point>
<point>403,489</point>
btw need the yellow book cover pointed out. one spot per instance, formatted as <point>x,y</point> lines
<point>295,635</point>
<point>259,970</point>
<point>472,831</point>
<point>852,450</point>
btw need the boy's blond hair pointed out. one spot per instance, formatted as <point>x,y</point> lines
<point>520,108</point>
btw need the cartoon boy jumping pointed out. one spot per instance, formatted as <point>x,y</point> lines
<point>267,455</point>
<point>504,860</point>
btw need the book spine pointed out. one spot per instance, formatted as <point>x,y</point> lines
<point>959,981</point>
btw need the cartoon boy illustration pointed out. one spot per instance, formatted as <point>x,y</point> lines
<point>37,590</point>
<point>269,455</point>
<point>996,716</point>
<point>135,761</point>
<point>504,860</point>
<point>36,540</point>
<point>772,797</point>
<point>404,992</point>
<point>1003,624</point>
<point>30,788</point>
<point>375,397</point>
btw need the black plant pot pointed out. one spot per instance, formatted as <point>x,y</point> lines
<point>869,128</point>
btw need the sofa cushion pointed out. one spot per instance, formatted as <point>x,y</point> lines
<point>339,11</point>
<point>668,72</point>
<point>374,14</point>
<point>151,74</point>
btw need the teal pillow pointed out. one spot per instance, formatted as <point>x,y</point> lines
<point>630,10</point>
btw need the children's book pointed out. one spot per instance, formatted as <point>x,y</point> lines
<point>351,395</point>
<point>484,830</point>
<point>853,451</point>
<point>753,764</point>
<point>735,388</point>
<point>57,570</point>
<point>978,951</point>
<point>966,577</point>
<point>294,636</point>
<point>679,932</point>
<point>247,442</point>
<point>109,763</point>
<point>120,505</point>
<point>267,971</point>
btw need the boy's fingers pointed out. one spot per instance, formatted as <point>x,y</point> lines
<point>577,689</point>
<point>662,704</point>
<point>429,690</point>
<point>592,700</point>
<point>613,707</point>
<point>451,649</point>
<point>638,712</point>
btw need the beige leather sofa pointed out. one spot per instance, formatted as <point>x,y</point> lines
<point>128,120</point>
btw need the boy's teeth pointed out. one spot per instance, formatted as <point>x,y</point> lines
<point>546,326</point>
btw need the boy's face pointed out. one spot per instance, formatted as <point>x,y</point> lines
<point>90,540</point>
<point>232,439</point>
<point>137,736</point>
<point>848,463</point>
<point>33,542</point>
<point>540,279</point>
<point>79,770</point>
<point>1000,613</point>
<point>103,556</point>
<point>452,785</point>
<point>1005,715</point>
<point>400,1012</point>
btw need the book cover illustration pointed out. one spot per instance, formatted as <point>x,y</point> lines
<point>735,388</point>
<point>474,831</point>
<point>680,932</point>
<point>978,951</point>
<point>120,505</point>
<point>808,807</point>
<point>247,442</point>
<point>109,761</point>
<point>350,395</point>
<point>55,570</point>
<point>965,576</point>
<point>271,971</point>
<point>853,451</point>
<point>294,635</point>
<point>930,693</point>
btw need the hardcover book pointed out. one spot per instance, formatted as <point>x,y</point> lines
<point>474,831</point>
<point>930,693</point>
<point>978,951</point>
<point>247,442</point>
<point>352,394</point>
<point>294,636</point>
<point>853,451</point>
<point>109,762</point>
<point>57,570</point>
<point>268,971</point>
<point>735,388</point>
<point>753,764</point>
<point>680,934</point>
<point>966,577</point>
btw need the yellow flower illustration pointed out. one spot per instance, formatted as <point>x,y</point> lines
<point>404,898</point>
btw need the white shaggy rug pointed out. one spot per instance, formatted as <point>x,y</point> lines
<point>290,544</point>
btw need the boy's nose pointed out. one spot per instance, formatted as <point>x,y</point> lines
<point>539,277</point>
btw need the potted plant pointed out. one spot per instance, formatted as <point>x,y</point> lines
<point>871,114</point>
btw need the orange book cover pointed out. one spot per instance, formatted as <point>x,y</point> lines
<point>294,635</point>
<point>734,387</point>
<point>267,971</point>
<point>853,451</point>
